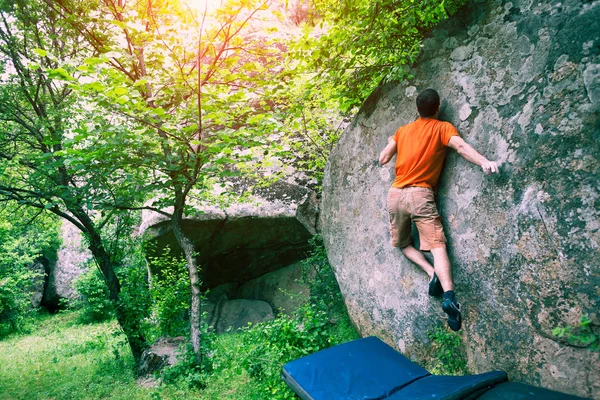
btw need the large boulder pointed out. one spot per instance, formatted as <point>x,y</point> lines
<point>238,313</point>
<point>243,241</point>
<point>68,266</point>
<point>520,80</point>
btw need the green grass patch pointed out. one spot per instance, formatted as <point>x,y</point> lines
<point>63,359</point>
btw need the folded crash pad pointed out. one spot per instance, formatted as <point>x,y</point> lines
<point>449,387</point>
<point>521,391</point>
<point>362,369</point>
<point>368,369</point>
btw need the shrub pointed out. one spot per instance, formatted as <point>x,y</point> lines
<point>318,276</point>
<point>579,335</point>
<point>15,305</point>
<point>93,297</point>
<point>271,344</point>
<point>187,371</point>
<point>448,352</point>
<point>171,295</point>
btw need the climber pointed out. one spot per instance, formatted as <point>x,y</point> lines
<point>420,147</point>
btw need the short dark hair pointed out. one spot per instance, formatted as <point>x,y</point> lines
<point>428,102</point>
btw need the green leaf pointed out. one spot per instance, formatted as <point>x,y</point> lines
<point>40,52</point>
<point>60,74</point>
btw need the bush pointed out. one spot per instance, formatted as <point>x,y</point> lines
<point>448,350</point>
<point>93,297</point>
<point>580,335</point>
<point>15,306</point>
<point>171,295</point>
<point>318,276</point>
<point>271,344</point>
<point>188,372</point>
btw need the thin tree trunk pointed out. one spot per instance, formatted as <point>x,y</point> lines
<point>129,323</point>
<point>194,274</point>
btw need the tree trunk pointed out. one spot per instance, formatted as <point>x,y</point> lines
<point>194,274</point>
<point>129,323</point>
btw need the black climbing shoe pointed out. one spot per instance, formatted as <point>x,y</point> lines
<point>435,287</point>
<point>452,308</point>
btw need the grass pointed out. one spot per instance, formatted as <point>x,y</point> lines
<point>62,359</point>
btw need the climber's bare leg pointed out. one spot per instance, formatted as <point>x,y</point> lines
<point>442,267</point>
<point>419,259</point>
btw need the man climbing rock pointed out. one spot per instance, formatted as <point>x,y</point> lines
<point>420,147</point>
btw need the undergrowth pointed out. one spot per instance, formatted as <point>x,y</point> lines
<point>63,358</point>
<point>448,353</point>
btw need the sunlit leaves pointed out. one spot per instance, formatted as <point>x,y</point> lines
<point>367,43</point>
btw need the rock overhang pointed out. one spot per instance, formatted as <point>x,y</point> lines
<point>243,241</point>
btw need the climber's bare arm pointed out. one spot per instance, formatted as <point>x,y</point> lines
<point>470,154</point>
<point>388,152</point>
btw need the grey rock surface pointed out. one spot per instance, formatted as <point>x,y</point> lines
<point>281,289</point>
<point>238,313</point>
<point>69,265</point>
<point>163,353</point>
<point>245,240</point>
<point>520,82</point>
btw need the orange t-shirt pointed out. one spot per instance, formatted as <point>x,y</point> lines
<point>421,147</point>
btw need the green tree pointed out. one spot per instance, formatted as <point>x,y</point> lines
<point>41,162</point>
<point>183,97</point>
<point>360,44</point>
<point>23,242</point>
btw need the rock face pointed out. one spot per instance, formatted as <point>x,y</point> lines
<point>246,240</point>
<point>68,266</point>
<point>520,80</point>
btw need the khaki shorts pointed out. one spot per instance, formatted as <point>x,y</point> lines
<point>414,204</point>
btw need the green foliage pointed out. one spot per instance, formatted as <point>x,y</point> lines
<point>22,243</point>
<point>273,343</point>
<point>171,294</point>
<point>580,335</point>
<point>366,43</point>
<point>447,352</point>
<point>187,372</point>
<point>93,299</point>
<point>319,324</point>
<point>318,276</point>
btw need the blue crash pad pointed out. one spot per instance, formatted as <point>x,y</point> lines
<point>368,369</point>
<point>521,391</point>
<point>449,387</point>
<point>362,369</point>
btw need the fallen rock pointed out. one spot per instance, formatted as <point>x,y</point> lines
<point>163,353</point>
<point>281,289</point>
<point>237,313</point>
